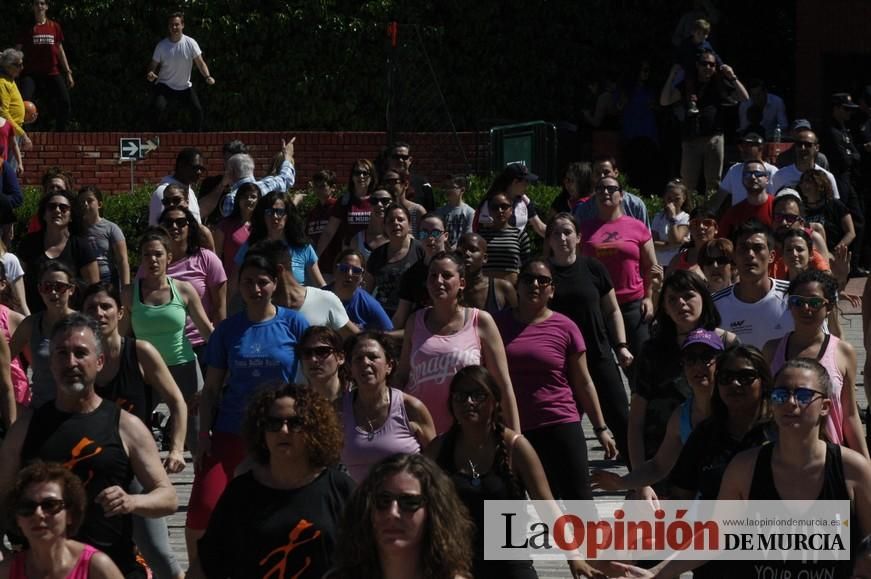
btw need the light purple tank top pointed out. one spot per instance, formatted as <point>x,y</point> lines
<point>363,448</point>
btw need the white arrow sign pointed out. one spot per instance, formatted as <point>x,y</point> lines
<point>131,149</point>
<point>148,146</point>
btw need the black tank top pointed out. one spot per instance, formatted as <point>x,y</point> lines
<point>128,388</point>
<point>762,487</point>
<point>491,304</point>
<point>90,445</point>
<point>473,492</point>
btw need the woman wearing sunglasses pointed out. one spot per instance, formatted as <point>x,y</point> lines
<point>322,356</point>
<point>104,237</point>
<point>47,505</point>
<point>507,246</point>
<point>363,309</point>
<point>281,518</point>
<point>375,235</point>
<point>248,351</point>
<point>812,295</point>
<point>351,212</point>
<point>32,337</point>
<point>199,267</point>
<point>487,461</point>
<point>715,259</point>
<point>404,520</point>
<point>379,420</point>
<point>548,367</point>
<point>441,339</point>
<point>703,228</point>
<point>56,240</point>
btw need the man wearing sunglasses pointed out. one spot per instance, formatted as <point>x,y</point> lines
<point>807,149</point>
<point>758,204</point>
<point>189,169</point>
<point>397,157</point>
<point>102,444</point>
<point>702,146</point>
<point>755,308</point>
<point>732,190</point>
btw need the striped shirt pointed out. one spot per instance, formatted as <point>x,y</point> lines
<point>507,249</point>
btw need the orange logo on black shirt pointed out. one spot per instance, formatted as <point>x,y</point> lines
<point>279,569</point>
<point>76,456</point>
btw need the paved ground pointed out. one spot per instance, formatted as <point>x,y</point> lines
<point>851,323</point>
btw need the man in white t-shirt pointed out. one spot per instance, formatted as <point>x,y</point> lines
<point>732,190</point>
<point>755,308</point>
<point>170,71</point>
<point>807,146</point>
<point>189,169</point>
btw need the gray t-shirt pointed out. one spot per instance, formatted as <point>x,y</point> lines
<point>101,238</point>
<point>458,221</point>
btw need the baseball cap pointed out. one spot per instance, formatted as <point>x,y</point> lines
<point>520,171</point>
<point>843,99</point>
<point>788,192</point>
<point>752,138</point>
<point>702,336</point>
<point>799,124</point>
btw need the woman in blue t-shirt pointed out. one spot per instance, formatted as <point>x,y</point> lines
<point>248,351</point>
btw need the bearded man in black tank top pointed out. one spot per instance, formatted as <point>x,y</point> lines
<point>102,444</point>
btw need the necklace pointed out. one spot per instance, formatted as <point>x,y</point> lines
<point>476,476</point>
<point>371,434</point>
<point>372,419</point>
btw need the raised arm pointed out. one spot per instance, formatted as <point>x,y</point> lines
<point>670,94</point>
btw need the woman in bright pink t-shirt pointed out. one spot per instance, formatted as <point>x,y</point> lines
<point>624,245</point>
<point>547,362</point>
<point>442,339</point>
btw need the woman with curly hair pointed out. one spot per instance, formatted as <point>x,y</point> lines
<point>280,518</point>
<point>47,505</point>
<point>404,520</point>
<point>487,461</point>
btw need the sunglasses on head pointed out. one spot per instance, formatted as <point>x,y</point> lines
<point>48,506</point>
<point>813,303</point>
<point>276,212</point>
<point>803,396</point>
<point>435,233</point>
<point>275,423</point>
<point>541,280</point>
<point>743,377</point>
<point>476,396</point>
<point>408,503</point>
<point>180,222</point>
<point>352,269</point>
<point>55,287</point>
<point>319,352</point>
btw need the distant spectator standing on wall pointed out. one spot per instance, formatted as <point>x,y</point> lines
<point>46,69</point>
<point>170,70</point>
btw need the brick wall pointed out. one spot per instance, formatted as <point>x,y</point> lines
<point>92,158</point>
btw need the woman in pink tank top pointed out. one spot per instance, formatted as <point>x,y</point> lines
<point>812,295</point>
<point>49,504</point>
<point>378,421</point>
<point>446,337</point>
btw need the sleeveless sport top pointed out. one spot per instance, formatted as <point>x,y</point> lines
<point>826,358</point>
<point>19,378</point>
<point>363,448</point>
<point>127,388</point>
<point>435,359</point>
<point>491,304</point>
<point>163,326</point>
<point>80,571</point>
<point>42,383</point>
<point>90,446</point>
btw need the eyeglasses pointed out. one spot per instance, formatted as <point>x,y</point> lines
<point>530,278</point>
<point>408,503</point>
<point>435,233</point>
<point>54,287</point>
<point>743,377</point>
<point>180,223</point>
<point>381,200</point>
<point>707,222</point>
<point>48,506</point>
<point>805,144</point>
<point>398,157</point>
<point>610,189</point>
<point>814,303</point>
<point>756,174</point>
<point>803,396</point>
<point>277,212</point>
<point>476,396</point>
<point>319,352</point>
<point>352,269</point>
<point>788,218</point>
<point>706,358</point>
<point>62,207</point>
<point>360,173</point>
<point>172,201</point>
<point>500,206</point>
<point>275,423</point>
<point>718,261</point>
